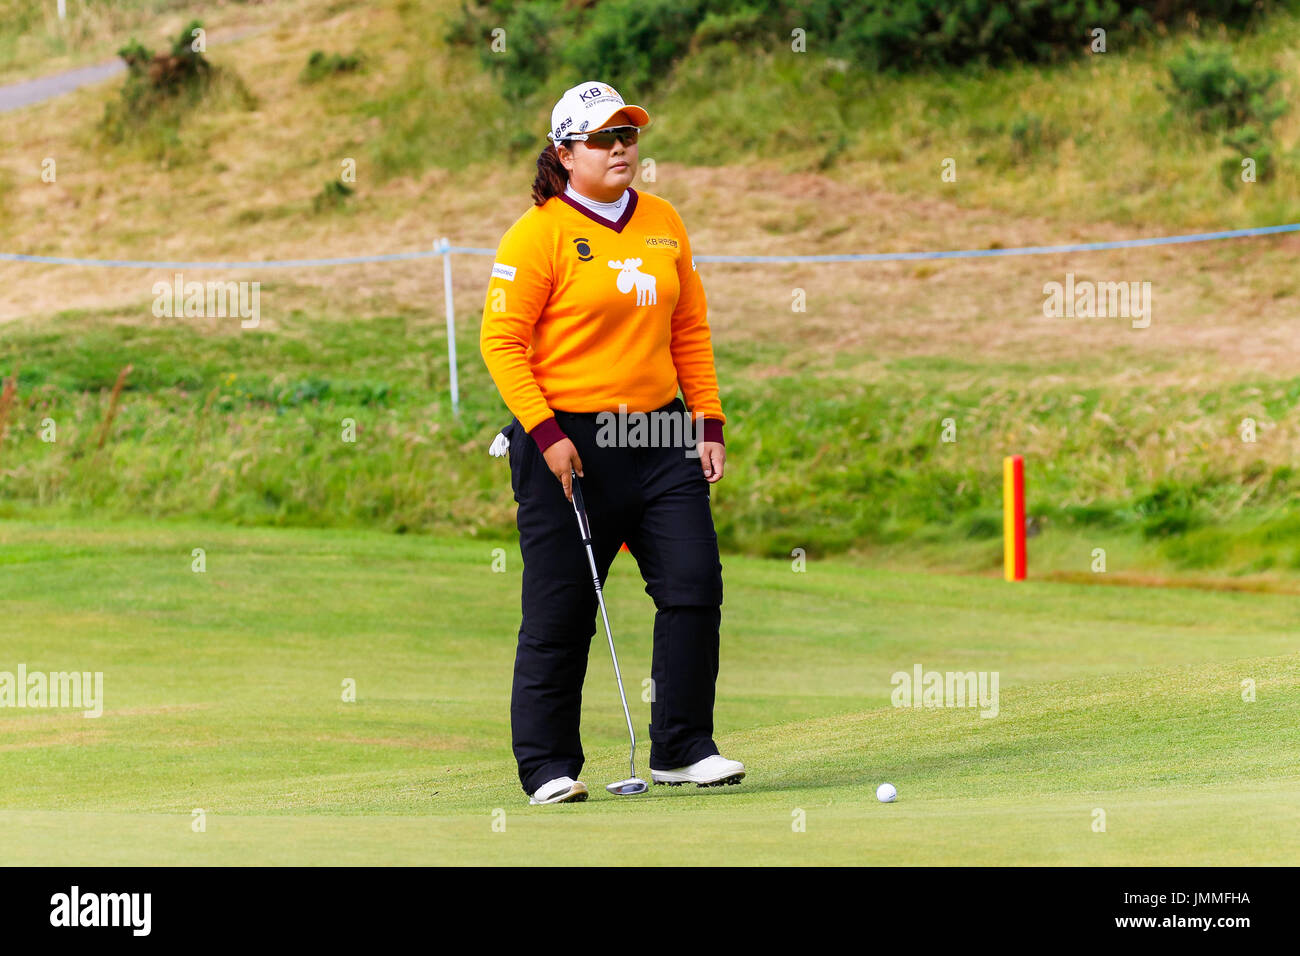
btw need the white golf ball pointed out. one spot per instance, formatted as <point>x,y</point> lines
<point>886,793</point>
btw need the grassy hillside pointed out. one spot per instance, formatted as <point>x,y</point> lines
<point>35,42</point>
<point>222,692</point>
<point>1132,436</point>
<point>250,429</point>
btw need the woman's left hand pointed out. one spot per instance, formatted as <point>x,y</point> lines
<point>712,457</point>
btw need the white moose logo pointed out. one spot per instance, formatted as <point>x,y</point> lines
<point>628,277</point>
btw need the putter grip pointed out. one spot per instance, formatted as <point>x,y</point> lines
<point>577,491</point>
<point>580,509</point>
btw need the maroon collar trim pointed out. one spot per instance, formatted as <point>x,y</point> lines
<point>616,226</point>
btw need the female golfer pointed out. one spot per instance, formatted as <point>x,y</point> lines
<point>594,317</point>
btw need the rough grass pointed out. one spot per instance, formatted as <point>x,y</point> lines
<point>250,426</point>
<point>1132,435</point>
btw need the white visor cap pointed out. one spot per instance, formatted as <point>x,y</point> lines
<point>588,106</point>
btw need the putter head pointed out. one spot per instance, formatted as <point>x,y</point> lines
<point>628,787</point>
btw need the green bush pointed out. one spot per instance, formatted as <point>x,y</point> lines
<point>1218,96</point>
<point>634,39</point>
<point>746,24</point>
<point>154,81</point>
<point>162,89</point>
<point>636,42</point>
<point>1208,86</point>
<point>1248,143</point>
<point>534,42</point>
<point>321,65</point>
<point>984,524</point>
<point>1169,509</point>
<point>934,33</point>
<point>332,196</point>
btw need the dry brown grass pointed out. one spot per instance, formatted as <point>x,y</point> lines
<point>1223,311</point>
<point>93,33</point>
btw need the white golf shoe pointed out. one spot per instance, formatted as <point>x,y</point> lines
<point>715,771</point>
<point>559,790</point>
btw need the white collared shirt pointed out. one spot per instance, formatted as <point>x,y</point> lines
<point>607,210</point>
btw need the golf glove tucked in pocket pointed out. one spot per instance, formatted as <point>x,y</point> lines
<point>521,449</point>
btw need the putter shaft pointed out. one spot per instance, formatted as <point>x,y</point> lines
<point>584,527</point>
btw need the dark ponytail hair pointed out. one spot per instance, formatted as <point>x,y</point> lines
<point>551,176</point>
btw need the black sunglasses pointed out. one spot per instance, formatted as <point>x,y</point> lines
<point>604,138</point>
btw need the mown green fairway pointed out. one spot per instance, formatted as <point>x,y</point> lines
<point>223,692</point>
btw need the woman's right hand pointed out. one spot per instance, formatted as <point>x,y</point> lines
<point>562,458</point>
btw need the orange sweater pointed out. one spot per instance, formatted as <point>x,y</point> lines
<point>583,315</point>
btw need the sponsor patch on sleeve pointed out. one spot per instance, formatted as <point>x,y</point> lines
<point>502,271</point>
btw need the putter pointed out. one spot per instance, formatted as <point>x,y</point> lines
<point>633,784</point>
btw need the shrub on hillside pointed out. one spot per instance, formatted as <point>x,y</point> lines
<point>321,65</point>
<point>534,37</point>
<point>636,42</point>
<point>153,79</point>
<point>334,195</point>
<point>1209,87</point>
<point>161,89</point>
<point>1248,143</point>
<point>907,34</point>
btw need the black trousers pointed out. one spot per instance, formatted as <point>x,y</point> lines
<point>655,499</point>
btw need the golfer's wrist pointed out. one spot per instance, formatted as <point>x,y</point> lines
<point>547,433</point>
<point>713,430</point>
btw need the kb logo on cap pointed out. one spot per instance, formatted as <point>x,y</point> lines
<point>587,106</point>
